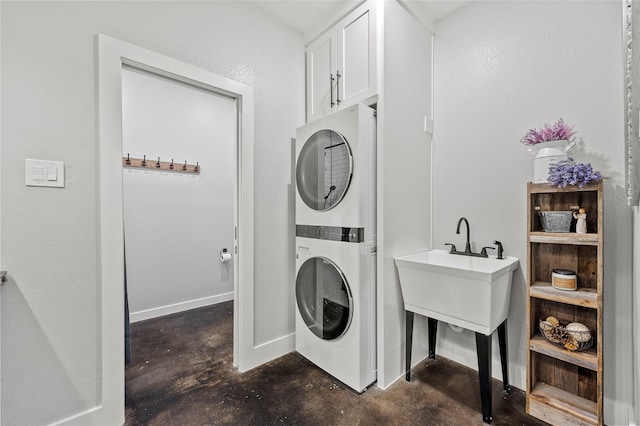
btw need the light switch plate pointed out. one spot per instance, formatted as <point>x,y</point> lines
<point>44,173</point>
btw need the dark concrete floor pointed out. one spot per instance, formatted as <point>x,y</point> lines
<point>182,374</point>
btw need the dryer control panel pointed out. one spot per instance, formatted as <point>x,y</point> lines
<point>332,233</point>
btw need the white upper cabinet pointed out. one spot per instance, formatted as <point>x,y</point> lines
<point>341,64</point>
<point>321,76</point>
<point>357,56</point>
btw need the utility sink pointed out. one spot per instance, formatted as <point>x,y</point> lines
<point>470,292</point>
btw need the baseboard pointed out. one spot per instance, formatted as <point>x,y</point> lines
<point>179,307</point>
<point>269,351</point>
<point>84,418</point>
<point>617,413</point>
<point>385,385</point>
<point>396,358</point>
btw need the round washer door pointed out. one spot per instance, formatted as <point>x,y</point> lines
<point>324,298</point>
<point>324,170</point>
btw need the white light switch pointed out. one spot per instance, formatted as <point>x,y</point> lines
<point>52,173</point>
<point>38,172</point>
<point>44,173</point>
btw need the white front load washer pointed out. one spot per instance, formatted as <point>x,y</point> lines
<point>336,301</point>
<point>336,171</point>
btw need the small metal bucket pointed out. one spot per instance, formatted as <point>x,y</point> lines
<point>556,221</point>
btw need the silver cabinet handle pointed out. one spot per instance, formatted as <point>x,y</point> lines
<point>331,79</point>
<point>338,88</point>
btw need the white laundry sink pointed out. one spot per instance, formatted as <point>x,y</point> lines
<point>470,292</point>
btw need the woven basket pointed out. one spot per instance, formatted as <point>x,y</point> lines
<point>570,340</point>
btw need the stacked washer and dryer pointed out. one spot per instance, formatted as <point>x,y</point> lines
<point>336,245</point>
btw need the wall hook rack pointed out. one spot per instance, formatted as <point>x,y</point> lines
<point>141,163</point>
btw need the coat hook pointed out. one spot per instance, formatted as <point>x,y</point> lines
<point>197,167</point>
<point>144,161</point>
<point>128,162</point>
<point>158,163</point>
<point>185,165</point>
<point>171,165</point>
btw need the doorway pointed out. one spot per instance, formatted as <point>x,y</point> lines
<point>177,222</point>
<point>113,55</point>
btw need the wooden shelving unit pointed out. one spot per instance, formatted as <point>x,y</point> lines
<point>565,387</point>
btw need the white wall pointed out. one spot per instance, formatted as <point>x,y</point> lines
<point>50,362</point>
<point>176,224</point>
<point>404,177</point>
<point>500,69</point>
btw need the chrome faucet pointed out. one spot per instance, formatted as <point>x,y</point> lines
<point>467,247</point>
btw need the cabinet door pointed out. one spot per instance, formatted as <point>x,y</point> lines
<point>321,73</point>
<point>357,56</point>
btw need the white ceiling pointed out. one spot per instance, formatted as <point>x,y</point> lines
<point>438,9</point>
<point>305,15</point>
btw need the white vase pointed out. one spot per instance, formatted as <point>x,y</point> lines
<point>547,154</point>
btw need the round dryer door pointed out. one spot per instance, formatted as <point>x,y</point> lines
<point>324,170</point>
<point>324,298</point>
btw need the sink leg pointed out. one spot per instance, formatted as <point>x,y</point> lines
<point>409,342</point>
<point>483,348</point>
<point>504,357</point>
<point>433,330</point>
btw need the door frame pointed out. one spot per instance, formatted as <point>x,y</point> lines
<point>112,54</point>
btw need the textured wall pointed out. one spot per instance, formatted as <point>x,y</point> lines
<point>500,69</point>
<point>49,309</point>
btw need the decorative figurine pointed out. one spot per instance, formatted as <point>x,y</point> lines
<point>581,225</point>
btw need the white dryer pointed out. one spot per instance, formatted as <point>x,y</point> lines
<point>336,171</point>
<point>336,302</point>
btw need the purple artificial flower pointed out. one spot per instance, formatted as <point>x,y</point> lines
<point>567,172</point>
<point>558,131</point>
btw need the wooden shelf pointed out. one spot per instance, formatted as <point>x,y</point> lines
<point>556,406</point>
<point>564,238</point>
<point>545,188</point>
<point>586,297</point>
<point>587,358</point>
<point>565,387</point>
